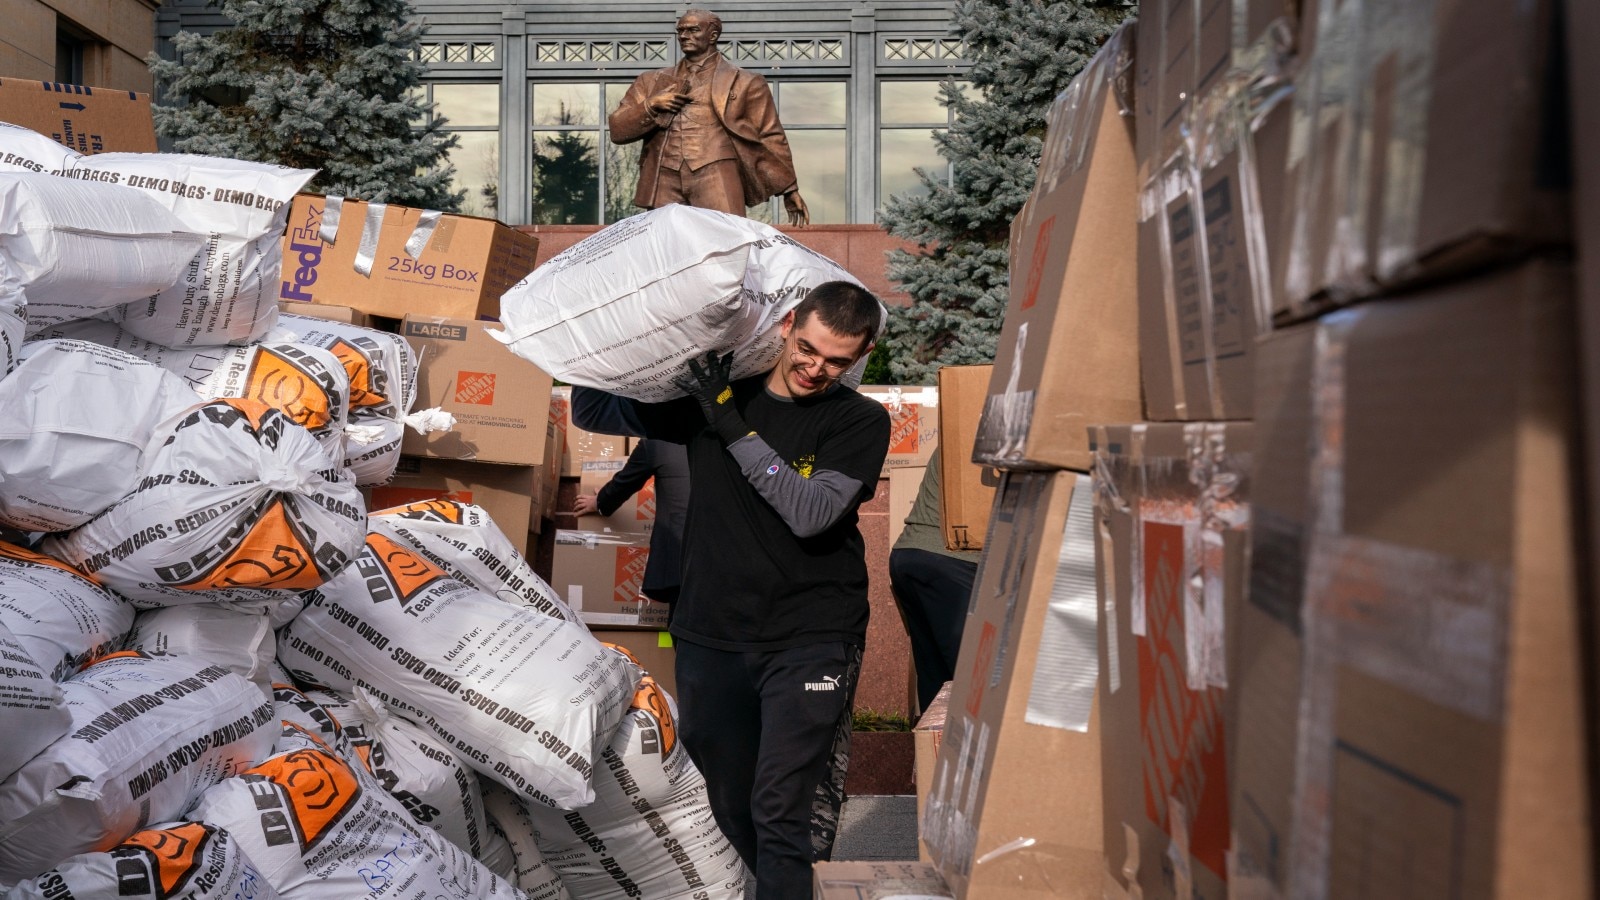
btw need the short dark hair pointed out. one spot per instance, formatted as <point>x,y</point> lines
<point>845,308</point>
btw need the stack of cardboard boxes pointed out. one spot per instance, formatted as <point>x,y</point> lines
<point>1315,626</point>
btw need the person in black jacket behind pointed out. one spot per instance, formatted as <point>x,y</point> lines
<point>772,616</point>
<point>669,466</point>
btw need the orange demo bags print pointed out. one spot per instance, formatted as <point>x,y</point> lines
<point>320,827</point>
<point>172,861</point>
<point>235,504</point>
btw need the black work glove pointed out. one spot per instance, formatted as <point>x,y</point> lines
<point>707,381</point>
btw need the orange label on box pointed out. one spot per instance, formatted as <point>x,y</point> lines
<point>1181,729</point>
<point>1041,243</point>
<point>475,387</point>
<point>904,434</point>
<point>630,573</point>
<point>982,660</point>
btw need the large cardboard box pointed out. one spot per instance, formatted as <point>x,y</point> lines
<point>1173,505</point>
<point>913,423</point>
<point>549,480</point>
<point>504,491</point>
<point>926,738</point>
<point>1421,606</point>
<point>966,489</point>
<point>1014,810</point>
<point>1208,244</point>
<point>1068,354</point>
<point>464,265</point>
<point>904,483</point>
<point>86,119</point>
<point>877,881</point>
<point>636,515</point>
<point>1429,141</point>
<point>582,446</point>
<point>601,576</point>
<point>653,650</point>
<point>501,401</point>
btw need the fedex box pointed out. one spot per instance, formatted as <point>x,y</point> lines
<point>1172,507</point>
<point>86,119</point>
<point>389,260</point>
<point>500,401</point>
<point>1014,806</point>
<point>1068,354</point>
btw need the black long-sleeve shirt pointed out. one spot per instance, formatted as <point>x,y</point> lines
<point>773,557</point>
<point>669,466</point>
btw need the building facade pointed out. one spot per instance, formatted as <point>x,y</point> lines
<point>102,44</point>
<point>527,87</point>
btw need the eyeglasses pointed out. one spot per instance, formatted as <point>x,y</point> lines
<point>807,359</point>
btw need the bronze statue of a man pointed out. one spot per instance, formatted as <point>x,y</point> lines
<point>710,129</point>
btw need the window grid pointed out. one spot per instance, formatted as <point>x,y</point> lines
<point>459,52</point>
<point>476,203</point>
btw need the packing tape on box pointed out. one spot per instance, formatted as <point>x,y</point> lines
<point>1430,625</point>
<point>1174,197</point>
<point>1074,116</point>
<point>1220,475</point>
<point>1067,666</point>
<point>1108,500</point>
<point>1337,222</point>
<point>372,230</point>
<point>1003,428</point>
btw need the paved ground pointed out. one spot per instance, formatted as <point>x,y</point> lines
<point>871,828</point>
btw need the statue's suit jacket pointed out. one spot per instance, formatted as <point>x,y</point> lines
<point>743,104</point>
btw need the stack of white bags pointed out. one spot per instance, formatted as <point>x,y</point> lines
<point>220,675</point>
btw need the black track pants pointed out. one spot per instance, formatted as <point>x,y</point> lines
<point>933,591</point>
<point>770,732</point>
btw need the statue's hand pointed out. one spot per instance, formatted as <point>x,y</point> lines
<point>796,207</point>
<point>668,102</point>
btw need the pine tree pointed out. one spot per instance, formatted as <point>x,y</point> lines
<point>1024,52</point>
<point>565,186</point>
<point>323,84</point>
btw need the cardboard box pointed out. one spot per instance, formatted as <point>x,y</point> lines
<point>504,491</point>
<point>1173,502</point>
<point>904,483</point>
<point>653,650</point>
<point>583,446</point>
<point>1426,157</point>
<point>1068,354</point>
<point>636,515</point>
<point>500,400</point>
<point>87,119</point>
<point>1020,757</point>
<point>600,577</point>
<point>877,881</point>
<point>966,489</point>
<point>466,264</point>
<point>1421,607</point>
<point>324,311</point>
<point>549,480</point>
<point>1208,243</point>
<point>926,738</point>
<point>913,423</point>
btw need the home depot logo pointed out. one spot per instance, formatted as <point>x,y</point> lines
<point>645,509</point>
<point>904,434</point>
<point>475,387</point>
<point>1181,730</point>
<point>630,574</point>
<point>1036,269</point>
<point>982,660</point>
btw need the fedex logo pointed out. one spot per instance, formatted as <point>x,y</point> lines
<point>305,252</point>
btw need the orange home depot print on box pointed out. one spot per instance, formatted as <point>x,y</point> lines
<point>475,387</point>
<point>988,639</point>
<point>630,573</point>
<point>1041,246</point>
<point>1185,763</point>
